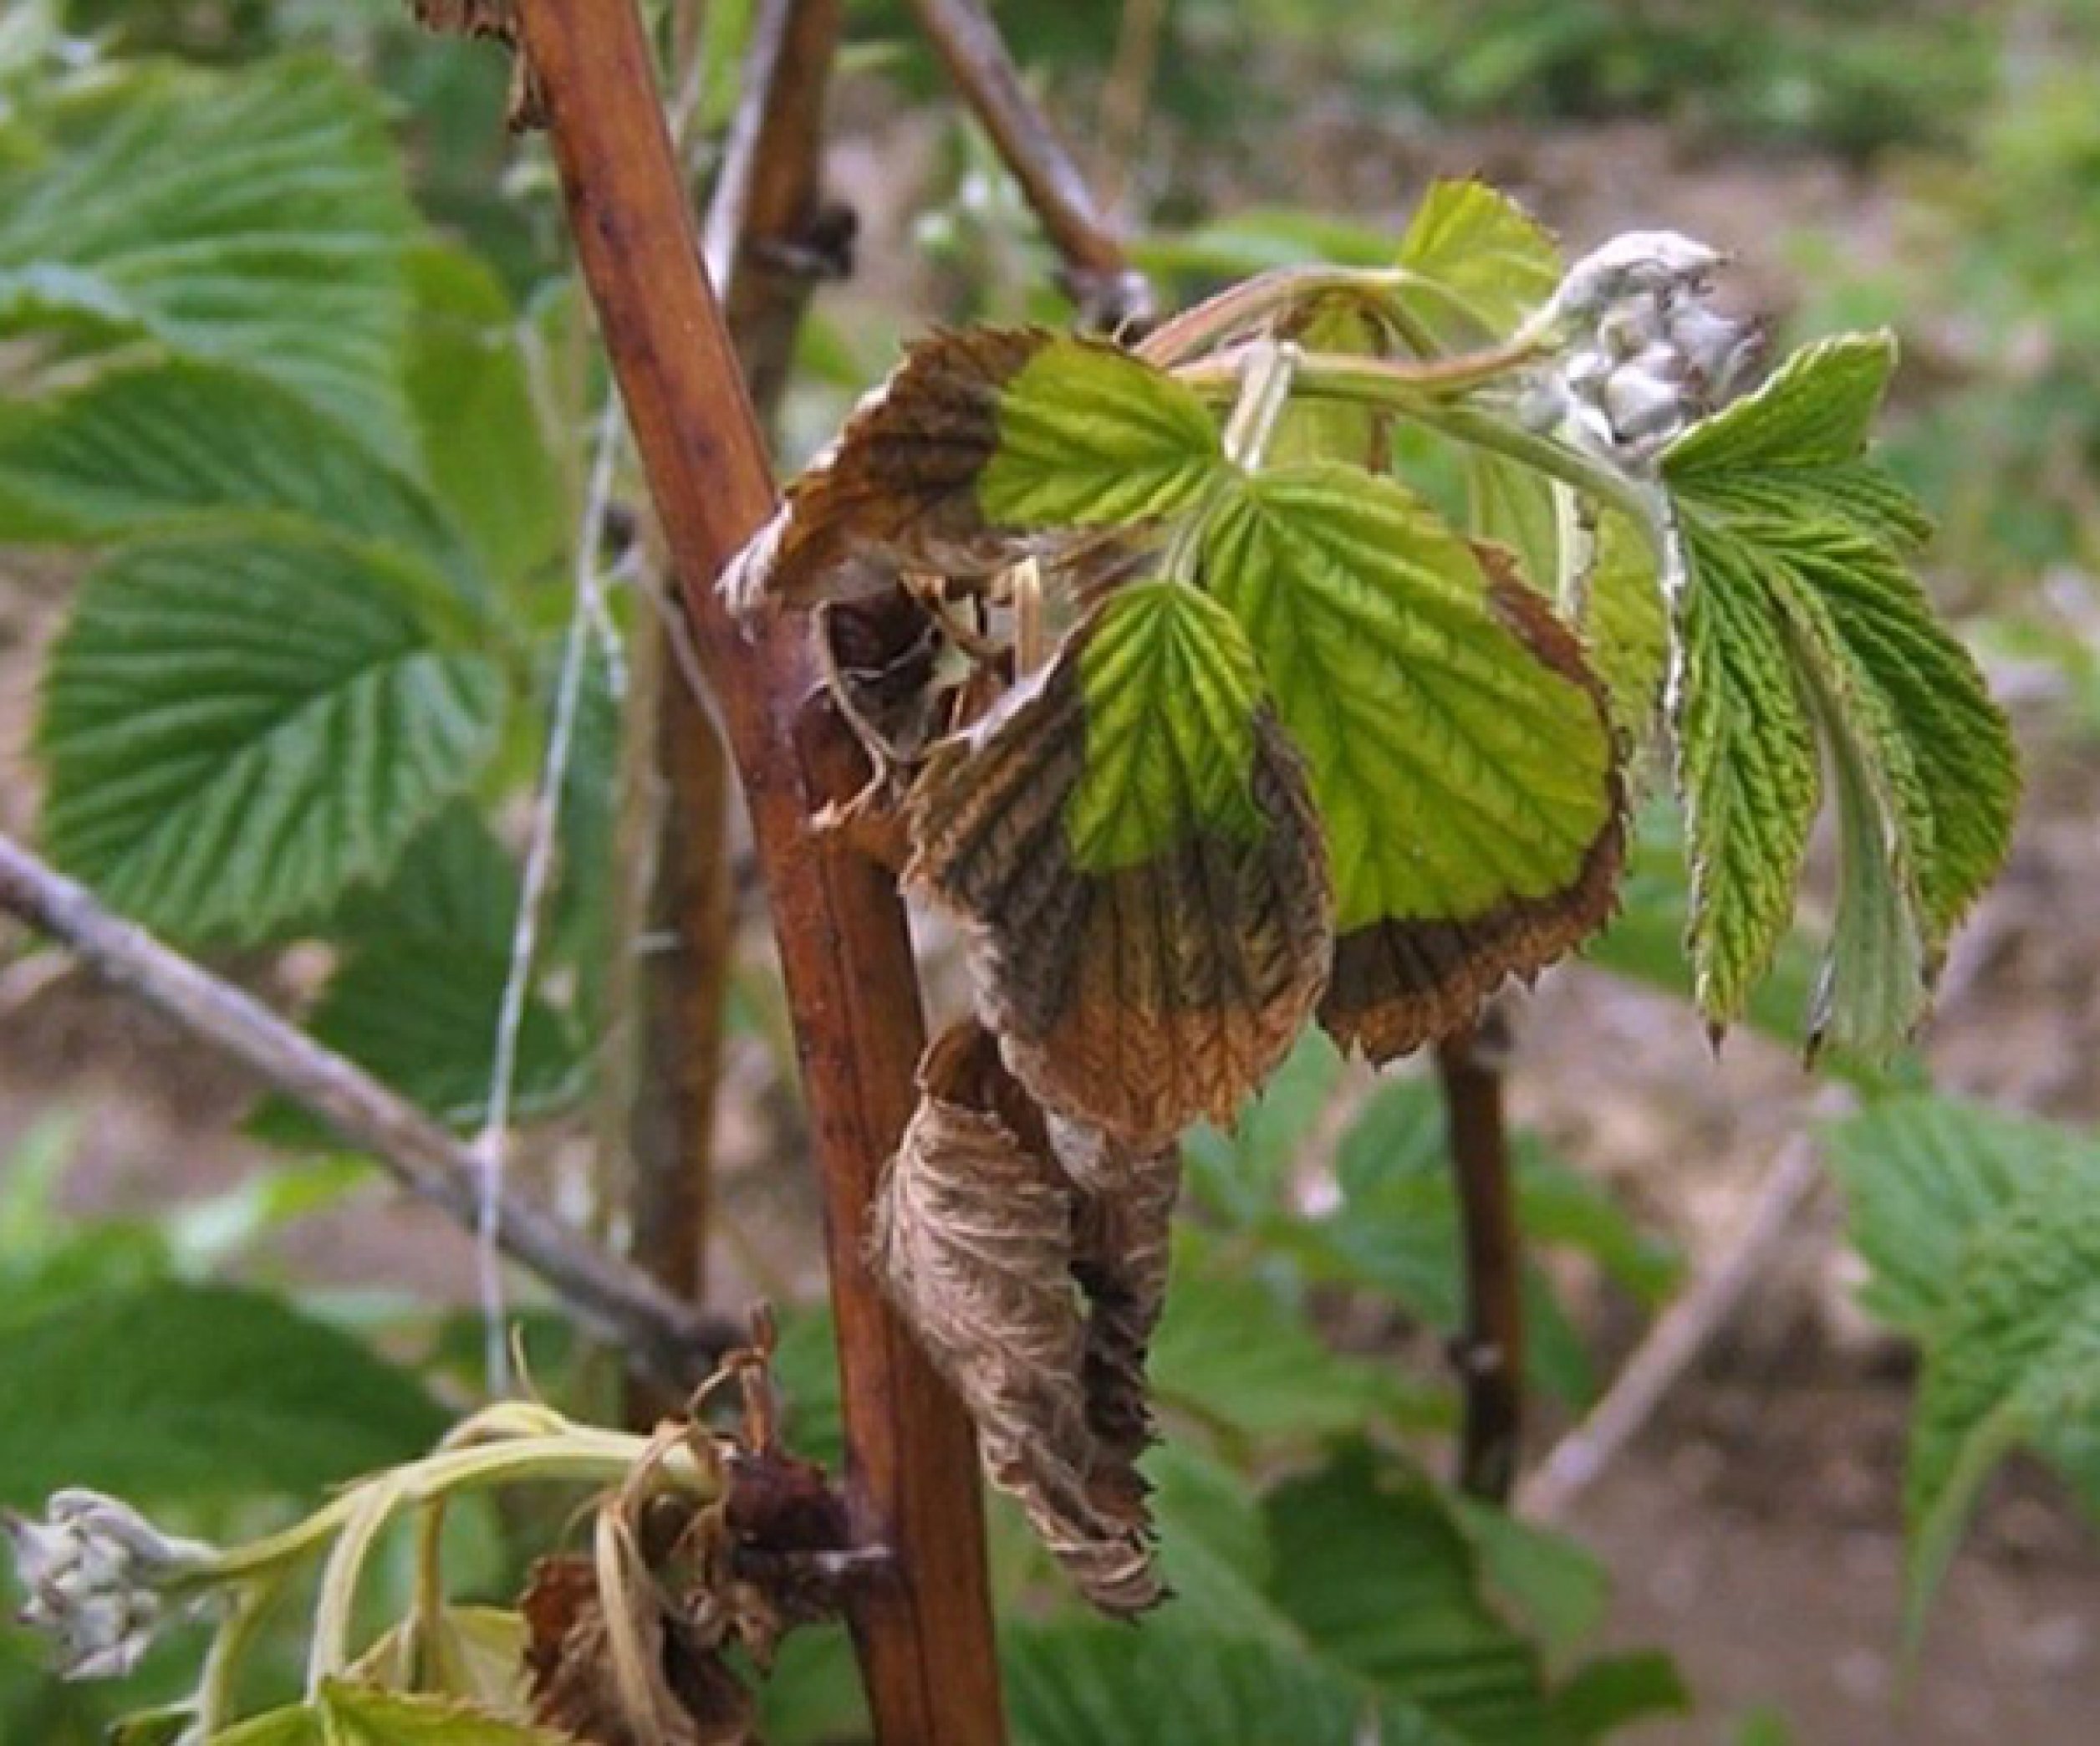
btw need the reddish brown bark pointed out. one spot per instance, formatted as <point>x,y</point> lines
<point>925,1634</point>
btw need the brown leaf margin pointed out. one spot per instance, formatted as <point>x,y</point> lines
<point>1402,982</point>
<point>1132,1001</point>
<point>897,488</point>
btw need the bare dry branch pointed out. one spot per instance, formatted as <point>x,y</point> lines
<point>659,1335</point>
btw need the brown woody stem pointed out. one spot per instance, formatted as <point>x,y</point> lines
<point>1110,292</point>
<point>657,1333</point>
<point>1489,1351</point>
<point>925,1637</point>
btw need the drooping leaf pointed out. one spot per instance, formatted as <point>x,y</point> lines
<point>1799,625</point>
<point>258,218</point>
<point>1129,839</point>
<point>1626,629</point>
<point>239,730</point>
<point>1480,263</point>
<point>1747,772</point>
<point>986,443</point>
<point>972,1236</point>
<point>1120,1259</point>
<point>181,1392</point>
<point>359,1715</point>
<point>1457,746</point>
<point>2012,1359</point>
<point>1372,1568</point>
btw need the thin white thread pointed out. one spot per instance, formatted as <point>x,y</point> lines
<point>491,1147</point>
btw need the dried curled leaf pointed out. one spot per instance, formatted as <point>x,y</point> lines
<point>985,445</point>
<point>1130,839</point>
<point>694,1699</point>
<point>1120,1257</point>
<point>973,1239</point>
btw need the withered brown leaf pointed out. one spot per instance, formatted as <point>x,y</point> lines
<point>699,1701</point>
<point>1402,982</point>
<point>896,488</point>
<point>1132,1000</point>
<point>1120,1257</point>
<point>973,1239</point>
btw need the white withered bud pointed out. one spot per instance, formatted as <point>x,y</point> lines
<point>96,1573</point>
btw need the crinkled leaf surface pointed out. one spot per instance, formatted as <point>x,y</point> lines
<point>1973,1223</point>
<point>259,219</point>
<point>986,443</point>
<point>171,1391</point>
<point>1922,1175</point>
<point>972,1238</point>
<point>1374,1570</point>
<point>2013,1359</point>
<point>179,446</point>
<point>1800,627</point>
<point>239,730</point>
<point>1130,840</point>
<point>1457,745</point>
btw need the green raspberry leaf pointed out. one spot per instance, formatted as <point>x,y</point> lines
<point>2013,1359</point>
<point>1457,743</point>
<point>240,729</point>
<point>1802,639</point>
<point>259,220</point>
<point>361,1715</point>
<point>985,445</point>
<point>1131,839</point>
<point>1482,264</point>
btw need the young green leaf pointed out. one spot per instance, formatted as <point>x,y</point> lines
<point>1457,745</point>
<point>1799,625</point>
<point>191,1393</point>
<point>359,1715</point>
<point>259,220</point>
<point>237,731</point>
<point>986,444</point>
<point>1480,263</point>
<point>1130,838</point>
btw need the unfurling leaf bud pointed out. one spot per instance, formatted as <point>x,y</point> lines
<point>97,1574</point>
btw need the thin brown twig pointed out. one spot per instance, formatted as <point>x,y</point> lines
<point>1489,1351</point>
<point>1580,1459</point>
<point>659,1335</point>
<point>1111,293</point>
<point>925,1636</point>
